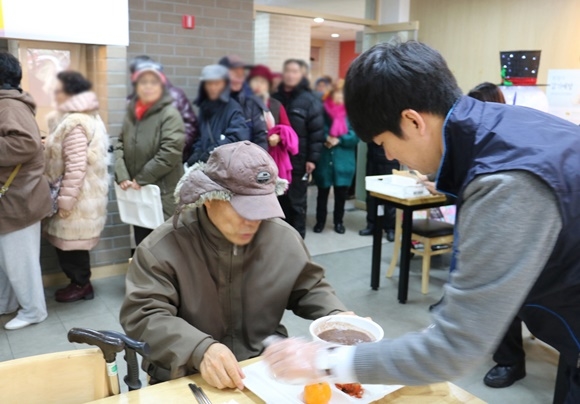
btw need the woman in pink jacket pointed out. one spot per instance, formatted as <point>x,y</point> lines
<point>76,154</point>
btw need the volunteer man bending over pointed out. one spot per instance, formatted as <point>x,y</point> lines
<point>205,289</point>
<point>516,174</point>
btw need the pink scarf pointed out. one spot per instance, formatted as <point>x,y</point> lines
<point>337,113</point>
<point>287,147</point>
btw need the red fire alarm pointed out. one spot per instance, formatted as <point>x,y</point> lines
<point>188,21</point>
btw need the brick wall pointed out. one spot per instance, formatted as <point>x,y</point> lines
<point>262,38</point>
<point>222,27</point>
<point>331,58</point>
<point>289,37</point>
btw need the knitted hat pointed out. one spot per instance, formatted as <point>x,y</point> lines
<point>242,173</point>
<point>214,72</point>
<point>261,71</point>
<point>148,67</point>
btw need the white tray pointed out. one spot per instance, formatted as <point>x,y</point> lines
<point>140,208</point>
<point>395,185</point>
<point>259,379</point>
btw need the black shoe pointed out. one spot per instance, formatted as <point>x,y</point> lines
<point>390,235</point>
<point>318,228</point>
<point>339,228</point>
<point>366,232</point>
<point>503,376</point>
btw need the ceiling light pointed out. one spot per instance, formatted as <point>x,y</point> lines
<point>335,35</point>
<point>319,20</point>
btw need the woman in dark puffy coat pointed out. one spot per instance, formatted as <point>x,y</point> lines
<point>221,119</point>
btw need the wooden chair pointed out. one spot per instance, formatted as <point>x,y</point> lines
<point>429,232</point>
<point>70,377</point>
<point>73,377</point>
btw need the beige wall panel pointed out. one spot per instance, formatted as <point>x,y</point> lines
<point>470,34</point>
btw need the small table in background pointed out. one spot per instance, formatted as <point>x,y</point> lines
<point>408,206</point>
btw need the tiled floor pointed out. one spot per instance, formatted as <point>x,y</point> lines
<point>347,260</point>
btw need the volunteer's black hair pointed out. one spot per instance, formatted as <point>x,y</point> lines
<point>10,71</point>
<point>73,83</point>
<point>392,77</point>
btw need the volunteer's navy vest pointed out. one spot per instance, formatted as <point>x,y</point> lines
<point>485,138</point>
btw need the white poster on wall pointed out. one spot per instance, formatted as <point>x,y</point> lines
<point>564,94</point>
<point>99,22</point>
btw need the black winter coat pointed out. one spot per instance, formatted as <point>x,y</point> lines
<point>253,109</point>
<point>377,161</point>
<point>307,119</point>
<point>220,122</point>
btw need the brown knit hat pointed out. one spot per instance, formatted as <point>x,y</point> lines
<point>243,174</point>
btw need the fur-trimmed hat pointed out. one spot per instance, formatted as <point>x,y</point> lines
<point>242,173</point>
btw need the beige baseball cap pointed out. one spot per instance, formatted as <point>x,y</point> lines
<point>242,173</point>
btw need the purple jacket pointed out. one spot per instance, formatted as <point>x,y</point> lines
<point>181,102</point>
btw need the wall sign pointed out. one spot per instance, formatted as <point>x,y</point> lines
<point>99,22</point>
<point>564,94</point>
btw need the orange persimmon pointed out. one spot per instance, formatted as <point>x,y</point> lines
<point>318,393</point>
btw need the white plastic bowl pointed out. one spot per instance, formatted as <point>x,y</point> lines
<point>344,321</point>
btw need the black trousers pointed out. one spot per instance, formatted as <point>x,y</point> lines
<point>382,167</point>
<point>567,390</point>
<point>340,196</point>
<point>294,204</point>
<point>141,234</point>
<point>511,348</point>
<point>389,219</point>
<point>76,265</point>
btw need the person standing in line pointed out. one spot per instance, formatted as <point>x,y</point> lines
<point>180,102</point>
<point>282,139</point>
<point>276,81</point>
<point>24,201</point>
<point>509,356</point>
<point>76,152</point>
<point>337,164</point>
<point>221,119</point>
<point>379,164</point>
<point>252,106</point>
<point>304,68</point>
<point>323,87</point>
<point>306,117</point>
<point>150,146</point>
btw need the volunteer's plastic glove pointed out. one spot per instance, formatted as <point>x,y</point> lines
<point>293,360</point>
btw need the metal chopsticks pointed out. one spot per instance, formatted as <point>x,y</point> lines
<point>200,396</point>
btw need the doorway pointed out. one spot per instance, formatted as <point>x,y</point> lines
<point>41,62</point>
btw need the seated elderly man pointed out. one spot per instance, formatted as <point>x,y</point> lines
<point>206,289</point>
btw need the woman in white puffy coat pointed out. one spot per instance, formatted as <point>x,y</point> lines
<point>77,151</point>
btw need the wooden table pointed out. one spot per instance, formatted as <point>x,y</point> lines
<point>408,206</point>
<point>177,391</point>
